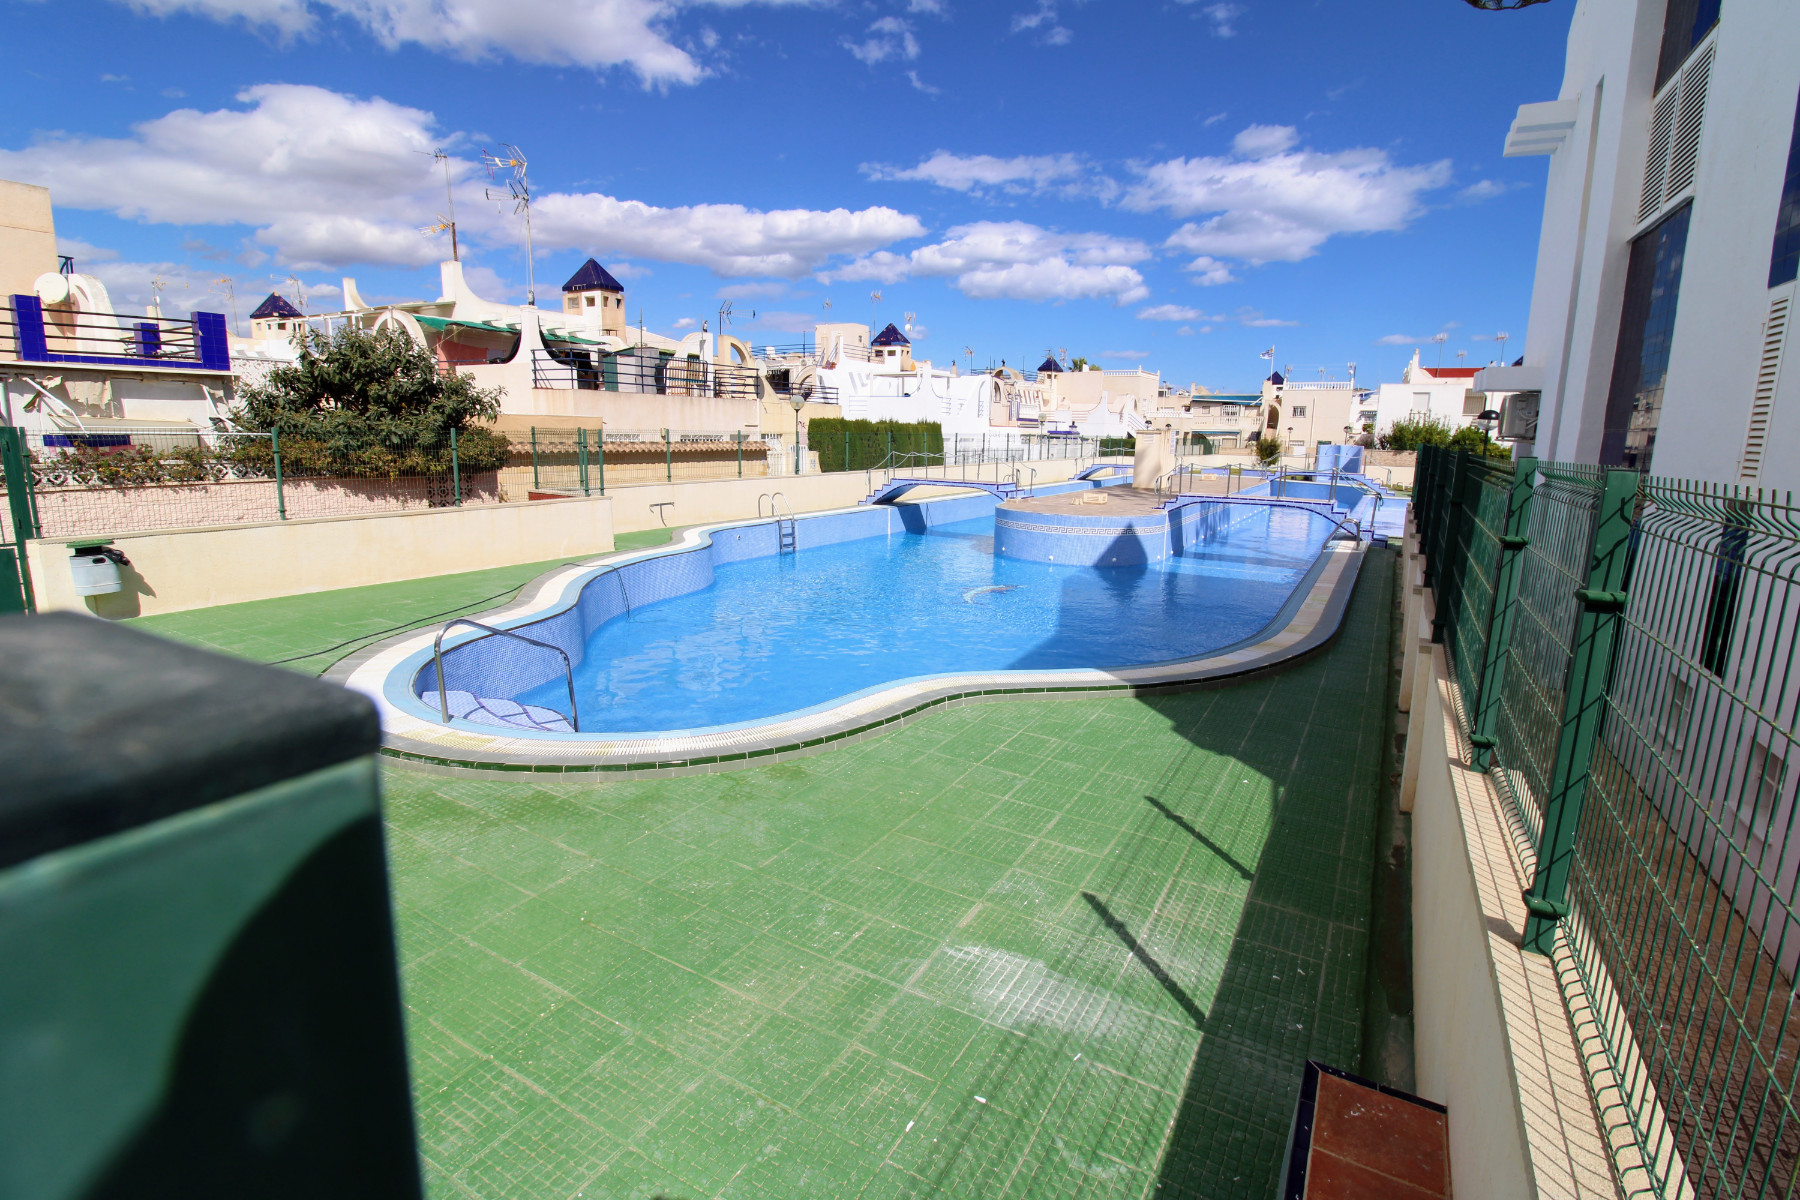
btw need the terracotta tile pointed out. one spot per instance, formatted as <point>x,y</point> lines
<point>1398,1139</point>
<point>1329,1177</point>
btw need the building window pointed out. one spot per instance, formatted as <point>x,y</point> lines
<point>1762,784</point>
<point>1646,329</point>
<point>1299,410</point>
<point>1685,23</point>
<point>1672,722</point>
<point>590,302</point>
<point>1786,256</point>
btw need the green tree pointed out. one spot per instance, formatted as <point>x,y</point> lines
<point>1410,434</point>
<point>1078,363</point>
<point>1267,448</point>
<point>1476,442</point>
<point>371,402</point>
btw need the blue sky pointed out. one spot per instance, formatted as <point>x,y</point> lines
<point>1180,185</point>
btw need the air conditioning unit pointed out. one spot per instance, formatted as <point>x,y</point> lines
<point>1519,417</point>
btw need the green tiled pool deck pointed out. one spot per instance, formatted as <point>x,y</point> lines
<point>1046,948</point>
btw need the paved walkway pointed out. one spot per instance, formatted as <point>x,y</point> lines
<point>1049,949</point>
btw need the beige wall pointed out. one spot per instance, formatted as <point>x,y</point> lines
<point>570,407</point>
<point>27,236</point>
<point>736,499</point>
<point>1460,1041</point>
<point>175,570</point>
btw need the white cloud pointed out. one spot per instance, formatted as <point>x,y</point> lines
<point>684,323</point>
<point>1188,330</point>
<point>1126,354</point>
<point>1043,21</point>
<point>1260,322</point>
<point>981,172</point>
<point>1170,312</point>
<point>890,37</point>
<point>1210,272</point>
<point>912,77</point>
<point>1401,339</point>
<point>594,33</point>
<point>1222,16</point>
<point>1274,203</point>
<point>295,165</point>
<point>1482,189</point>
<point>329,180</point>
<point>1015,260</point>
<point>1261,141</point>
<point>1213,120</point>
<point>728,238</point>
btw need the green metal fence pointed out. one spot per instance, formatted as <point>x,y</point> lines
<point>1625,652</point>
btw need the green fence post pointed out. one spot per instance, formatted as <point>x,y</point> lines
<point>740,453</point>
<point>455,467</point>
<point>1444,480</point>
<point>280,495</point>
<point>890,445</point>
<point>846,465</point>
<point>15,465</point>
<point>1502,616</point>
<point>535,483</point>
<point>668,459</point>
<point>600,455</point>
<point>581,459</point>
<point>1584,702</point>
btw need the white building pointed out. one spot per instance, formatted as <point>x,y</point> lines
<point>1444,394</point>
<point>1665,272</point>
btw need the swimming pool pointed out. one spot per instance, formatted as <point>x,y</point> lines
<point>737,634</point>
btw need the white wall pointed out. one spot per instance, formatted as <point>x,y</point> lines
<point>1578,288</point>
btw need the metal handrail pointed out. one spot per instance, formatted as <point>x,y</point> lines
<point>774,512</point>
<point>437,655</point>
<point>1184,499</point>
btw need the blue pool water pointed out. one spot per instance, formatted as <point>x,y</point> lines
<point>774,635</point>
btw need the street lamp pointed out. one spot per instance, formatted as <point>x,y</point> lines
<point>797,398</point>
<point>1485,420</point>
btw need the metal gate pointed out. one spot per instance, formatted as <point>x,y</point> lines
<point>18,522</point>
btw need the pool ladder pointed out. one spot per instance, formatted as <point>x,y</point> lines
<point>785,542</point>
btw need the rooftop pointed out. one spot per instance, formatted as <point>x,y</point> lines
<point>592,277</point>
<point>891,337</point>
<point>275,306</point>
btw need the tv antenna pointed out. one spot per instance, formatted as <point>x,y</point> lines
<point>518,190</point>
<point>445,222</point>
<point>910,318</point>
<point>874,304</point>
<point>1440,338</point>
<point>230,298</point>
<point>1501,338</point>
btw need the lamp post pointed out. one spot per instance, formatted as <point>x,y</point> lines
<point>1485,420</point>
<point>797,398</point>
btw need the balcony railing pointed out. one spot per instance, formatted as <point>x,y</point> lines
<point>31,333</point>
<point>650,374</point>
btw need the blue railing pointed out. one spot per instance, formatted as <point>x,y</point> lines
<point>198,342</point>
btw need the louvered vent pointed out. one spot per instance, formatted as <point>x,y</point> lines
<point>1656,165</point>
<point>1675,124</point>
<point>1684,150</point>
<point>1768,371</point>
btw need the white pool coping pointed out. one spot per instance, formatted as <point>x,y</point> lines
<point>1307,621</point>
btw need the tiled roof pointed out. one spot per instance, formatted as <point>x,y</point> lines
<point>1276,379</point>
<point>891,337</point>
<point>275,306</point>
<point>592,277</point>
<point>1050,364</point>
<point>1451,372</point>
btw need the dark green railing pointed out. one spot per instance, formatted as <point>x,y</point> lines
<point>1625,653</point>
